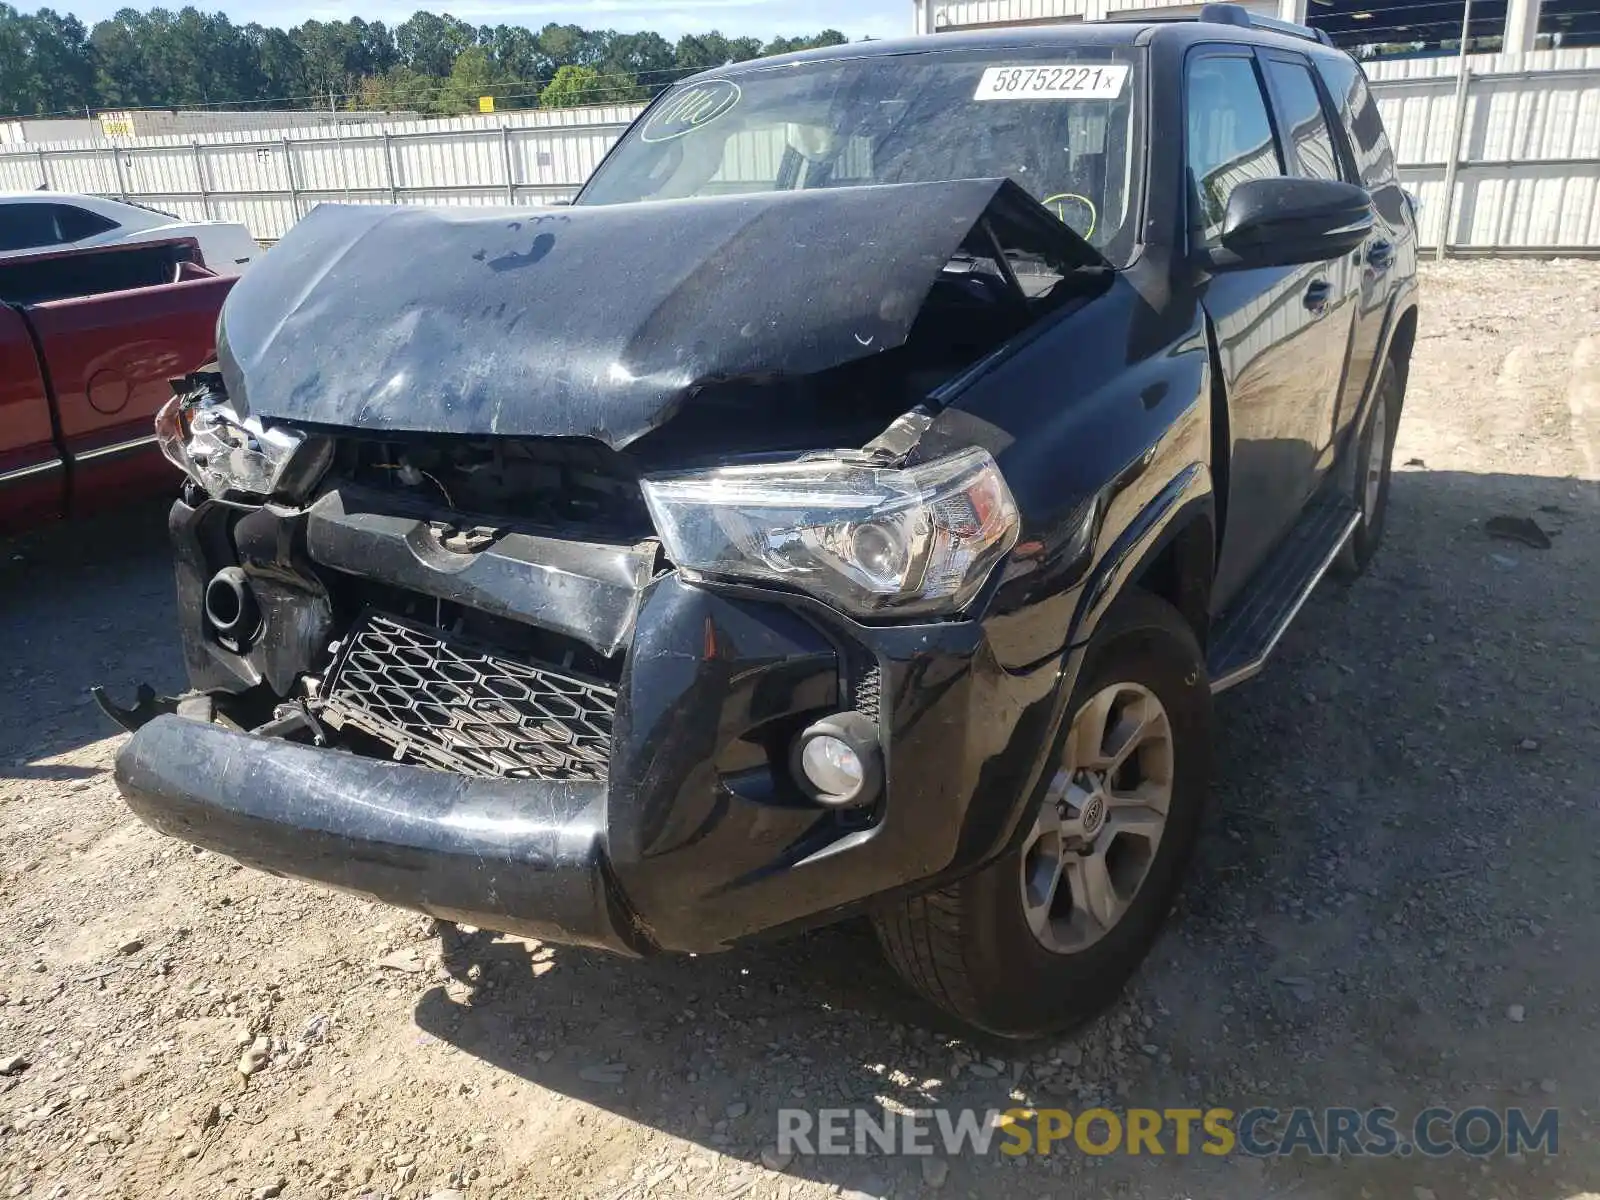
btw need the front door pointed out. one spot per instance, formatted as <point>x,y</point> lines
<point>1282,332</point>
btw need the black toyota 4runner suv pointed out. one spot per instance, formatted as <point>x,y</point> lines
<point>850,505</point>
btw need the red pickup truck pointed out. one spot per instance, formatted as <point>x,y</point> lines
<point>88,342</point>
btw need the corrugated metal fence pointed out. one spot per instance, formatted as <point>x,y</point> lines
<point>1528,175</point>
<point>1528,168</point>
<point>270,180</point>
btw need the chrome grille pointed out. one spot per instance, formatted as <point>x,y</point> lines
<point>445,702</point>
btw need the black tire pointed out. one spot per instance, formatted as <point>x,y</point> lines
<point>1364,542</point>
<point>968,948</point>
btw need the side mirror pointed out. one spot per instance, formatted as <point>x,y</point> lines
<point>1282,222</point>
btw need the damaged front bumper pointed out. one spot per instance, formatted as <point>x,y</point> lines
<point>658,810</point>
<point>517,856</point>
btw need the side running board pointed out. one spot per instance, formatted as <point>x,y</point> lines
<point>1245,636</point>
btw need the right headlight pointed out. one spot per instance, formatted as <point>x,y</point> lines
<point>865,538</point>
<point>235,457</point>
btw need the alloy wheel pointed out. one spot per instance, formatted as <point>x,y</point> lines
<point>1377,450</point>
<point>1101,823</point>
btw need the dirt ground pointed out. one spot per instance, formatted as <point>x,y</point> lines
<point>1396,903</point>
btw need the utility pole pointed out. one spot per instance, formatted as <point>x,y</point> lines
<point>1457,132</point>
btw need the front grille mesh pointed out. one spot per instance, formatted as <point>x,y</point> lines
<point>444,702</point>
<point>869,691</point>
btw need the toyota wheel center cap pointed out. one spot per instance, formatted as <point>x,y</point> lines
<point>1094,816</point>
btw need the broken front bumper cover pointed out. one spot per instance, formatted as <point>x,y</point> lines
<point>694,841</point>
<point>695,837</point>
<point>518,856</point>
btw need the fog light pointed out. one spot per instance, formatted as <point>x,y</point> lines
<point>837,761</point>
<point>832,766</point>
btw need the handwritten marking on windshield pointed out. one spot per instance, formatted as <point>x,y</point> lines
<point>689,109</point>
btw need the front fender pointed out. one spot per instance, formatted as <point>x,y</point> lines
<point>1101,425</point>
<point>1189,497</point>
<point>1184,505</point>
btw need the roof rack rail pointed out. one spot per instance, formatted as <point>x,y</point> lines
<point>1238,14</point>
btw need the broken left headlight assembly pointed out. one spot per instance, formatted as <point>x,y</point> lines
<point>237,459</point>
<point>871,540</point>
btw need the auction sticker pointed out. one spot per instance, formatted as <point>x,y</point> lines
<point>1047,81</point>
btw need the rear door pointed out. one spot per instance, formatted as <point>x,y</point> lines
<point>1313,152</point>
<point>1281,356</point>
<point>1391,249</point>
<point>31,475</point>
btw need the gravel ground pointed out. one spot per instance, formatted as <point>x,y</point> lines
<point>1395,903</point>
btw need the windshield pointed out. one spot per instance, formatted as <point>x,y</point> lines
<point>1056,120</point>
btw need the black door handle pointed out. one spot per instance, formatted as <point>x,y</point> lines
<point>1380,255</point>
<point>1317,296</point>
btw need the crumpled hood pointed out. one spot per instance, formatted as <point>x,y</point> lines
<point>580,322</point>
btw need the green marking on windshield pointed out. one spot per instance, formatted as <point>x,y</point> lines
<point>693,108</point>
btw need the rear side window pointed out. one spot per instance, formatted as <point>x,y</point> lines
<point>25,226</point>
<point>79,223</point>
<point>1229,134</point>
<point>1308,140</point>
<point>1358,111</point>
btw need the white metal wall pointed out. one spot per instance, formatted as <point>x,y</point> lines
<point>270,179</point>
<point>16,132</point>
<point>1529,167</point>
<point>1577,58</point>
<point>1529,175</point>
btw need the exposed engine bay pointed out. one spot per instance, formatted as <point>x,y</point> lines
<point>551,485</point>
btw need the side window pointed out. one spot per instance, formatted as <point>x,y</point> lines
<point>1229,134</point>
<point>1306,132</point>
<point>1359,112</point>
<point>27,226</point>
<point>79,223</point>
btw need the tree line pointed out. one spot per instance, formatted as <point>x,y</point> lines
<point>51,64</point>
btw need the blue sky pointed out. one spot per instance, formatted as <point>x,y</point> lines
<point>763,18</point>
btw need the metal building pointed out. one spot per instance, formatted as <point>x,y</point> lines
<point>1370,28</point>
